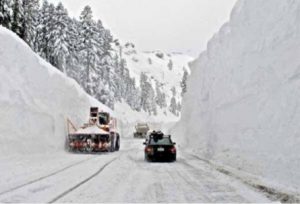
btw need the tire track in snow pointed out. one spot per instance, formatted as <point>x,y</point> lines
<point>46,176</point>
<point>270,193</point>
<point>82,182</point>
<point>193,190</point>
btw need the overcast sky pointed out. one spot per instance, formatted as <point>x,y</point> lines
<point>168,25</point>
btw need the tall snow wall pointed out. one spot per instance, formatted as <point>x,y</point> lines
<point>242,108</point>
<point>35,101</point>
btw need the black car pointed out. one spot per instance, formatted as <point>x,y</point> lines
<point>160,147</point>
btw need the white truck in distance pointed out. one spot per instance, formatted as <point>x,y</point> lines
<point>141,130</point>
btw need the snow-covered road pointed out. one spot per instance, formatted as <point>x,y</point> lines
<point>120,177</point>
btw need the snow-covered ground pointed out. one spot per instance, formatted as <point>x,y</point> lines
<point>242,106</point>
<point>121,177</point>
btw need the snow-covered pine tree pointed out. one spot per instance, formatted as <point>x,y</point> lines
<point>107,39</point>
<point>30,24</point>
<point>89,44</point>
<point>123,74</point>
<point>42,36</point>
<point>147,95</point>
<point>50,35</point>
<point>170,65</point>
<point>160,96</point>
<point>118,78</point>
<point>105,64</point>
<point>103,95</point>
<point>173,108</point>
<point>151,100</point>
<point>61,37</point>
<point>143,81</point>
<point>6,13</point>
<point>127,81</point>
<point>73,60</point>
<point>104,72</point>
<point>130,99</point>
<point>183,82</point>
<point>136,98</point>
<point>18,18</point>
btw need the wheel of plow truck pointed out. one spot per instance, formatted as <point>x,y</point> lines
<point>112,142</point>
<point>117,143</point>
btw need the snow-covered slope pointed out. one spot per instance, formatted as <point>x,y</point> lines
<point>35,100</point>
<point>242,105</point>
<point>167,69</point>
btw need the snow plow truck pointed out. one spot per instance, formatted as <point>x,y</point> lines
<point>98,135</point>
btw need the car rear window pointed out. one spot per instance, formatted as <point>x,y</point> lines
<point>163,141</point>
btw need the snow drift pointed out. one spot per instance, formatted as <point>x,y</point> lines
<point>242,105</point>
<point>35,100</point>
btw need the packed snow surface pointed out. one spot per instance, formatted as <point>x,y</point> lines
<point>242,105</point>
<point>119,177</point>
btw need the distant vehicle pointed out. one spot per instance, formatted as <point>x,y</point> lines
<point>141,130</point>
<point>98,135</point>
<point>160,147</point>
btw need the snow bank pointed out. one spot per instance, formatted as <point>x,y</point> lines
<point>35,100</point>
<point>242,106</point>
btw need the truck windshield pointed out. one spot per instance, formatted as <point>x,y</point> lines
<point>103,118</point>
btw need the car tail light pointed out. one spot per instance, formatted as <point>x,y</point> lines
<point>173,150</point>
<point>149,149</point>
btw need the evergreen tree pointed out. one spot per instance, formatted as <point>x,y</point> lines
<point>183,82</point>
<point>50,35</point>
<point>42,34</point>
<point>18,18</point>
<point>173,104</point>
<point>30,23</point>
<point>89,45</point>
<point>170,65</point>
<point>160,96</point>
<point>147,95</point>
<point>6,13</point>
<point>61,37</point>
<point>73,59</point>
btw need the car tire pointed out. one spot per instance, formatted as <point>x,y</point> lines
<point>147,159</point>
